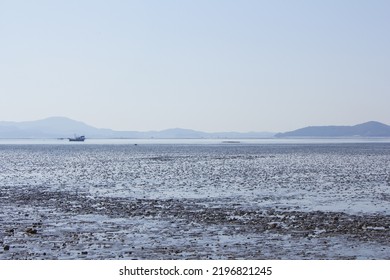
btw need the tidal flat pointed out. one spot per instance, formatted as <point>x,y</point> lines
<point>195,201</point>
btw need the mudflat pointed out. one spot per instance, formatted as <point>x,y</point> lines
<point>235,201</point>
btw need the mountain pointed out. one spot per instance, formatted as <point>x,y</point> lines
<point>54,127</point>
<point>368,129</point>
<point>61,127</point>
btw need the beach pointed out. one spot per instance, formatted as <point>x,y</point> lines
<point>219,201</point>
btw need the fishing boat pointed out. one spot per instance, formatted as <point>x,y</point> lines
<point>77,139</point>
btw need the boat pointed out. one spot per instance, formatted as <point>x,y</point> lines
<point>77,139</point>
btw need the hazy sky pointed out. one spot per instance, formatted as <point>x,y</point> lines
<point>202,64</point>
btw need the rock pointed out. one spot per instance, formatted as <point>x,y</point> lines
<point>6,248</point>
<point>31,231</point>
<point>84,253</point>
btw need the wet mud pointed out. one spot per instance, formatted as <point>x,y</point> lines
<point>48,225</point>
<point>195,202</point>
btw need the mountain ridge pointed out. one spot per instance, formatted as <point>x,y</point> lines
<point>367,129</point>
<point>63,127</point>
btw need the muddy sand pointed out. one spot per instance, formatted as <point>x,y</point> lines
<point>47,225</point>
<point>195,202</point>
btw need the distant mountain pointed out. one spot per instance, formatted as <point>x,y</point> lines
<point>54,127</point>
<point>61,127</point>
<point>368,129</point>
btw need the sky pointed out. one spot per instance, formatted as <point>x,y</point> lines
<point>210,65</point>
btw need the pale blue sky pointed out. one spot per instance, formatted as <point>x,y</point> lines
<point>202,64</point>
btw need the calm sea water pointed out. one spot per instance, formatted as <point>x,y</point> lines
<point>192,141</point>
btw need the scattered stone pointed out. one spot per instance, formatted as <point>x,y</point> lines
<point>31,231</point>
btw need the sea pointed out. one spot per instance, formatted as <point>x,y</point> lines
<point>195,199</point>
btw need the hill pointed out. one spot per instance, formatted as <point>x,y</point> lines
<point>368,129</point>
<point>61,127</point>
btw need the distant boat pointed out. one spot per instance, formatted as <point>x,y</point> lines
<point>77,139</point>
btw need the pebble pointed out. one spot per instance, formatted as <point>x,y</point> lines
<point>31,231</point>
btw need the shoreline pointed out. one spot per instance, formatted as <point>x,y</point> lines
<point>59,225</point>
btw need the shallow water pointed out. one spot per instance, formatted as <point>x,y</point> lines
<point>199,201</point>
